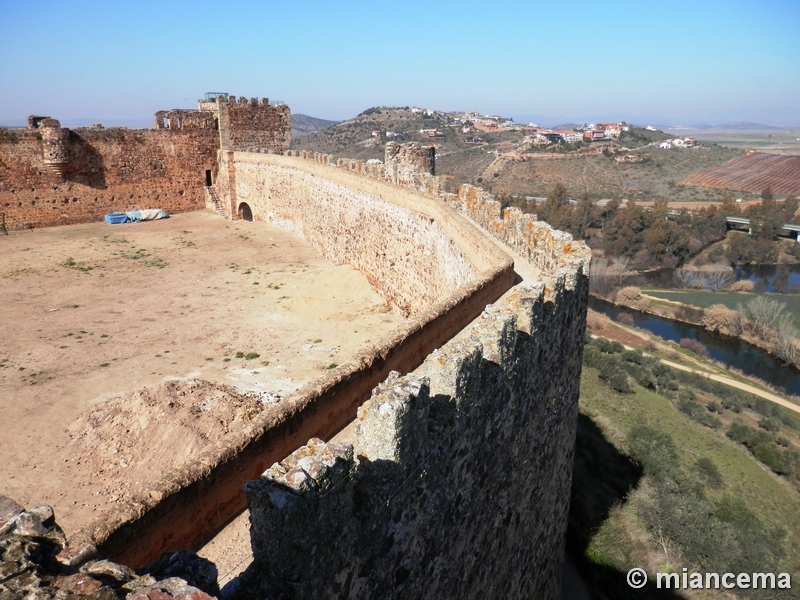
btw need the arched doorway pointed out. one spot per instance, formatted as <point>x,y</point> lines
<point>245,213</point>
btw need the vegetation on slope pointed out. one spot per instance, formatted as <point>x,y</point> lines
<point>664,478</point>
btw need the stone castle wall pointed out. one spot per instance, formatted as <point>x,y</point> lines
<point>404,254</point>
<point>457,482</point>
<point>251,124</point>
<point>102,170</point>
<point>51,175</point>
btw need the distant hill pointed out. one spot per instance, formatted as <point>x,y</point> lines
<point>305,125</point>
<point>727,127</point>
<point>354,138</point>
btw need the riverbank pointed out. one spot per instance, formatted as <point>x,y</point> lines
<point>695,316</point>
<point>731,352</point>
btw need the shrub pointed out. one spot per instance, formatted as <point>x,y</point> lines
<point>640,374</point>
<point>743,285</point>
<point>721,318</point>
<point>629,295</point>
<point>689,407</point>
<point>608,347</point>
<point>772,456</point>
<point>654,450</point>
<point>618,381</point>
<point>626,319</point>
<point>632,356</point>
<point>770,424</point>
<point>746,435</point>
<point>696,411</point>
<point>694,346</point>
<point>732,403</point>
<point>706,468</point>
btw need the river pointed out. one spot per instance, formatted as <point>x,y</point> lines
<point>728,350</point>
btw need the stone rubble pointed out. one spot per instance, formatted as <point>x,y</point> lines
<point>33,566</point>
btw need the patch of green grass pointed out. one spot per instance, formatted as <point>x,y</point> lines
<point>71,263</point>
<point>332,366</point>
<point>226,359</point>
<point>777,504</point>
<point>251,355</point>
<point>104,336</point>
<point>105,364</point>
<point>144,258</point>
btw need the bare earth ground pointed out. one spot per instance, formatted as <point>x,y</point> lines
<point>118,358</point>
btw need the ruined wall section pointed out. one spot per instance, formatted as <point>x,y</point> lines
<point>251,125</point>
<point>405,255</point>
<point>405,162</point>
<point>458,481</point>
<point>100,170</point>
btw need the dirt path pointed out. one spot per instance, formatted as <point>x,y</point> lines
<point>720,378</point>
<point>737,384</point>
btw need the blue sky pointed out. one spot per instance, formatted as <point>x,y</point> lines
<point>700,61</point>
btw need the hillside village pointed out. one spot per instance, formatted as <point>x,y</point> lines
<point>605,160</point>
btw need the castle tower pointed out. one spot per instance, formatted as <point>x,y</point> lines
<point>56,145</point>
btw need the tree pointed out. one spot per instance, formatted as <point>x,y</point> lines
<point>718,277</point>
<point>624,235</point>
<point>763,314</point>
<point>766,193</point>
<point>786,338</point>
<point>554,204</point>
<point>790,206</point>
<point>600,282</point>
<point>583,216</point>
<point>741,248</point>
<point>666,238</point>
<point>687,278</point>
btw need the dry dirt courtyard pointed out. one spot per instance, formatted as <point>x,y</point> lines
<point>128,348</point>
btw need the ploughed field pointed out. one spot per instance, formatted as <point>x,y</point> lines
<point>128,349</point>
<point>751,173</point>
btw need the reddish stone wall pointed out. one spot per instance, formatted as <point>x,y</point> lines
<point>252,125</point>
<point>113,169</point>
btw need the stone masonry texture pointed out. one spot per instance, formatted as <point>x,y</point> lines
<point>50,175</point>
<point>405,255</point>
<point>457,483</point>
<point>35,565</point>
